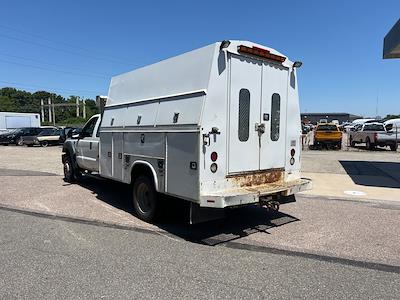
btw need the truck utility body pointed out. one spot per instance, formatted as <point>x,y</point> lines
<point>373,134</point>
<point>218,126</point>
<point>12,120</point>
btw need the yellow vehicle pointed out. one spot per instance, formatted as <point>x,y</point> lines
<point>327,134</point>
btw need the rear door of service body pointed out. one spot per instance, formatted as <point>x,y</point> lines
<point>257,115</point>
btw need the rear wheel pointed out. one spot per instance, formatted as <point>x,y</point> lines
<point>369,145</point>
<point>19,142</point>
<point>44,143</point>
<point>145,199</point>
<point>393,147</point>
<point>352,143</point>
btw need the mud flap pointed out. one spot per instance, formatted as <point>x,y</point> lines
<point>204,214</point>
<point>287,199</point>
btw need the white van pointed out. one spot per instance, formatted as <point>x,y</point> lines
<point>218,126</point>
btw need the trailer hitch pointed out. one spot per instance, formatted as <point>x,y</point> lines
<point>271,205</point>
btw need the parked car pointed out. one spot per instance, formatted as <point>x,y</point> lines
<point>328,134</point>
<point>16,136</point>
<point>373,134</point>
<point>393,125</point>
<point>48,136</point>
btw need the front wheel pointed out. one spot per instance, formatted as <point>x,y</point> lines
<point>71,174</point>
<point>20,142</point>
<point>44,143</point>
<point>68,170</point>
<point>393,147</point>
<point>145,199</point>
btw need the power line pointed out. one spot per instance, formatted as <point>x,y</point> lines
<point>59,49</point>
<point>41,61</point>
<point>56,41</point>
<point>52,70</point>
<point>27,85</point>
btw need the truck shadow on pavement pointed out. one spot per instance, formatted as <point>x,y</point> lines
<point>238,223</point>
<point>373,173</point>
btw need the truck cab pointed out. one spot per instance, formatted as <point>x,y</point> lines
<point>81,151</point>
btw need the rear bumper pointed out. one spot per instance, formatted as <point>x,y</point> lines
<point>327,141</point>
<point>251,195</point>
<point>30,142</point>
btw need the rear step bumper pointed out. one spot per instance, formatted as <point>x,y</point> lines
<point>251,195</point>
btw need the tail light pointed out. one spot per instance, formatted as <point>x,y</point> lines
<point>214,156</point>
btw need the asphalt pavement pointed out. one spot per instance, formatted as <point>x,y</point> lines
<point>52,259</point>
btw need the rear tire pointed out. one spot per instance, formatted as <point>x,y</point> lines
<point>393,147</point>
<point>369,145</point>
<point>145,199</point>
<point>352,143</point>
<point>44,143</point>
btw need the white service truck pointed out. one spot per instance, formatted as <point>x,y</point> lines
<point>12,120</point>
<point>218,126</point>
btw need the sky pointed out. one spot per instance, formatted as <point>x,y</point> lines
<point>75,47</point>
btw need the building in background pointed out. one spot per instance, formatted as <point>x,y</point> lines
<point>12,120</point>
<point>316,117</point>
<point>391,43</point>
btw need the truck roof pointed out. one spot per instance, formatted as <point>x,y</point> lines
<point>187,73</point>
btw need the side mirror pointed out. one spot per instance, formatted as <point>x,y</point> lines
<point>74,134</point>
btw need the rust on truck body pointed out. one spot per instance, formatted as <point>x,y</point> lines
<point>255,178</point>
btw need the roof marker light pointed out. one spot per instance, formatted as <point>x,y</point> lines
<point>261,53</point>
<point>297,64</point>
<point>224,44</point>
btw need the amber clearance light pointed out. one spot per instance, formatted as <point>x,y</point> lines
<point>261,53</point>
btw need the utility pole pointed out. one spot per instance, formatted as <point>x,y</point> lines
<point>84,108</point>
<point>42,110</point>
<point>77,106</point>
<point>54,115</point>
<point>49,102</point>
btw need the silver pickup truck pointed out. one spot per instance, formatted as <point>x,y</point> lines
<point>373,134</point>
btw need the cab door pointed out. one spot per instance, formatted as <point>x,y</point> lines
<point>87,146</point>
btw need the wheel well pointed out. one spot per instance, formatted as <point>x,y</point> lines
<point>143,169</point>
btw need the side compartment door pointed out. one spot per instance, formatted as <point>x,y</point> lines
<point>244,114</point>
<point>273,114</point>
<point>117,155</point>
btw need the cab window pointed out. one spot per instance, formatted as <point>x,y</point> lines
<point>87,131</point>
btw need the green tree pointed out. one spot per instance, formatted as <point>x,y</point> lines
<point>7,104</point>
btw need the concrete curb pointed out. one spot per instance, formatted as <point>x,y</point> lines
<point>381,203</point>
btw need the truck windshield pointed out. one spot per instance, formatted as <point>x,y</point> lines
<point>326,128</point>
<point>374,127</point>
